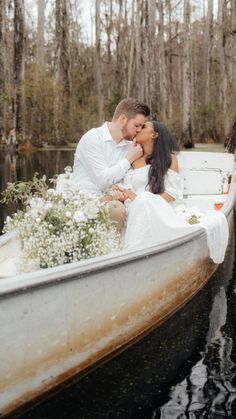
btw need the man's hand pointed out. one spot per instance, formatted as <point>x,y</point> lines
<point>135,152</point>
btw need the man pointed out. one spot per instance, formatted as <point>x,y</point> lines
<point>105,154</point>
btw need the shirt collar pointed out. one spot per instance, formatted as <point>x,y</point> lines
<point>107,136</point>
<point>106,133</point>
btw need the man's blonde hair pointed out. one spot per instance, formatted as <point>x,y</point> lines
<point>131,107</point>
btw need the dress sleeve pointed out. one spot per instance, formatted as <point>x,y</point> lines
<point>174,185</point>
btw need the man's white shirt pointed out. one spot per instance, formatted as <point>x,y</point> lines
<point>99,161</point>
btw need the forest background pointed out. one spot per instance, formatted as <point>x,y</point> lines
<point>63,71</point>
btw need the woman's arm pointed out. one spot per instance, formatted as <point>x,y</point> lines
<point>167,197</point>
<point>122,194</point>
<point>174,163</point>
<point>174,166</point>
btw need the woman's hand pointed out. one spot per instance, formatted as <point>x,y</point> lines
<point>131,194</point>
<point>118,194</point>
<point>127,193</point>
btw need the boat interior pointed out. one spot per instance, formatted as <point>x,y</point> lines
<point>207,178</point>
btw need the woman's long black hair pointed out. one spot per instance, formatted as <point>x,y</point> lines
<point>161,157</point>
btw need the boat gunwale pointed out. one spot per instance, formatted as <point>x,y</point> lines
<point>44,277</point>
<point>74,271</point>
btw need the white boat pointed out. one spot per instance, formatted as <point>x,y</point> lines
<point>60,322</point>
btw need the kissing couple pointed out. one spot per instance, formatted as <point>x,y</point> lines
<point>131,162</point>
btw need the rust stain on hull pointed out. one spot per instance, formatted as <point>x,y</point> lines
<point>131,324</point>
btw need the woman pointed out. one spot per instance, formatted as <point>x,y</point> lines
<point>150,186</point>
<point>150,191</point>
<point>157,170</point>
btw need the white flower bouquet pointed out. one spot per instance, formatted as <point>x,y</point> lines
<point>57,228</point>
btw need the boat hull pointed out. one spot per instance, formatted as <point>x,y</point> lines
<point>59,322</point>
<point>54,329</point>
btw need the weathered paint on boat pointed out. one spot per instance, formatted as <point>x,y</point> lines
<point>60,322</point>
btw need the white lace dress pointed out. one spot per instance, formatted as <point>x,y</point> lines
<point>152,220</point>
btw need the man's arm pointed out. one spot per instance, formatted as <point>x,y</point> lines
<point>90,152</point>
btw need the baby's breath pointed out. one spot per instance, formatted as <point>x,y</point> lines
<point>59,228</point>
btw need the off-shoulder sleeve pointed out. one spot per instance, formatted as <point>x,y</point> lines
<point>174,185</point>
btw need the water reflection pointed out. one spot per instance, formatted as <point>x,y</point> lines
<point>184,369</point>
<point>209,389</point>
<point>9,165</point>
<point>17,166</point>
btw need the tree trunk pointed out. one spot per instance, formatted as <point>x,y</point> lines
<point>145,50</point>
<point>224,84</point>
<point>131,55</point>
<point>169,69</point>
<point>2,66</point>
<point>99,64</point>
<point>187,139</point>
<point>56,66</point>
<point>233,45</point>
<point>40,37</point>
<point>138,47</point>
<point>119,63</point>
<point>123,53</point>
<point>152,68</point>
<point>62,115</point>
<point>65,56</point>
<point>208,41</point>
<point>109,27</point>
<point>37,131</point>
<point>206,119</point>
<point>231,146</point>
<point>18,67</point>
<point>162,65</point>
<point>232,62</point>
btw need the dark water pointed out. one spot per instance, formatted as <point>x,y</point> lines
<point>184,369</point>
<point>17,166</point>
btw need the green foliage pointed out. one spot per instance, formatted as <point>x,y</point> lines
<point>4,99</point>
<point>48,120</point>
<point>175,124</point>
<point>208,126</point>
<point>203,109</point>
<point>20,192</point>
<point>193,220</point>
<point>39,109</point>
<point>113,102</point>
